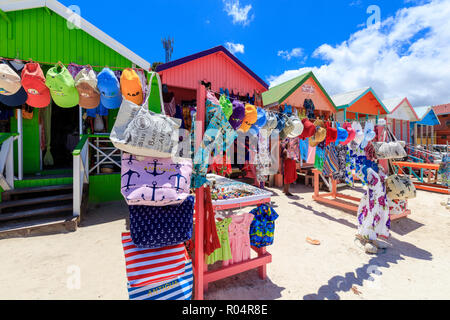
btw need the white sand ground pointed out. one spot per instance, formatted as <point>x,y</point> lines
<point>416,267</point>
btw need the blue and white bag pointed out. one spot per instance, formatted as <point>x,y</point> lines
<point>179,288</point>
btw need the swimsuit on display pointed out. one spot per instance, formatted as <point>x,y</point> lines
<point>263,226</point>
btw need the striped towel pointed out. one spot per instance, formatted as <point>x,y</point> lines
<point>176,289</point>
<point>331,163</point>
<point>148,266</point>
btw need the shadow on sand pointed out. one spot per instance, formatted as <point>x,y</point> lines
<point>398,251</point>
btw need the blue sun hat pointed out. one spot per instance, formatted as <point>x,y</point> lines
<point>260,122</point>
<point>109,87</point>
<point>369,134</point>
<point>342,134</point>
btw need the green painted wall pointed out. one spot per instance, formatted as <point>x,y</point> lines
<point>104,188</point>
<point>45,37</point>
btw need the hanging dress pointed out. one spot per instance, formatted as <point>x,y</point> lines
<point>238,233</point>
<point>224,252</point>
<point>373,210</point>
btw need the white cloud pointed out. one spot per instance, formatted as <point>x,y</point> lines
<point>288,55</point>
<point>240,14</point>
<point>408,55</point>
<point>234,47</point>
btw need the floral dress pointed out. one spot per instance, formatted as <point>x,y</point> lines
<point>373,210</point>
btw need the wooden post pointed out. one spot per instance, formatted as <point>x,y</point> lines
<point>415,134</point>
<point>401,129</point>
<point>199,200</point>
<point>408,128</point>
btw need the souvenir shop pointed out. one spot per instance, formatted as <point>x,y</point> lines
<point>401,115</point>
<point>307,105</point>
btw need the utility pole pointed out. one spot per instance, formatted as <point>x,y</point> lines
<point>168,47</point>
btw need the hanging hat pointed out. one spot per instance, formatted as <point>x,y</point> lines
<point>33,81</point>
<point>342,134</point>
<point>271,123</point>
<point>298,127</point>
<point>318,137</point>
<point>62,86</point>
<point>260,122</point>
<point>351,133</point>
<point>109,87</point>
<point>281,122</point>
<point>8,98</point>
<point>288,127</point>
<point>251,116</point>
<point>238,114</point>
<point>308,129</point>
<point>369,134</point>
<point>9,80</point>
<point>288,110</point>
<point>331,134</point>
<point>131,86</point>
<point>227,106</point>
<point>86,84</point>
<point>359,133</point>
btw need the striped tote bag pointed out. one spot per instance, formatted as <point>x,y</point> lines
<point>179,288</point>
<point>149,266</point>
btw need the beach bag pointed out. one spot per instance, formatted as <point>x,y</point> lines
<point>155,181</point>
<point>389,150</point>
<point>400,187</point>
<point>157,227</point>
<point>149,266</point>
<point>139,131</point>
<point>179,288</point>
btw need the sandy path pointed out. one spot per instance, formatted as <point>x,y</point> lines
<point>416,267</point>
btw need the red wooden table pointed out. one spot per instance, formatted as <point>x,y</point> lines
<point>335,199</point>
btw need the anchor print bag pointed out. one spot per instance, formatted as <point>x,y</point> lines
<point>155,181</point>
<point>157,227</point>
<point>139,131</point>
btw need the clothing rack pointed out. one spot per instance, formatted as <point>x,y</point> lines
<point>202,277</point>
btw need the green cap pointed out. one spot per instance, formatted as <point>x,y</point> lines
<point>227,106</point>
<point>62,86</point>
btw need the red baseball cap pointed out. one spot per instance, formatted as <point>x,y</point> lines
<point>331,134</point>
<point>309,129</point>
<point>33,81</point>
<point>351,133</point>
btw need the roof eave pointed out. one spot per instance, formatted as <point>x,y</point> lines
<point>87,27</point>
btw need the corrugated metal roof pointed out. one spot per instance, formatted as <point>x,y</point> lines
<point>442,109</point>
<point>348,98</point>
<point>280,92</point>
<point>392,103</point>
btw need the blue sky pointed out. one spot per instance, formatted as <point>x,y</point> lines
<point>276,39</point>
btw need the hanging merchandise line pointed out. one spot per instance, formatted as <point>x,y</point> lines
<point>72,63</point>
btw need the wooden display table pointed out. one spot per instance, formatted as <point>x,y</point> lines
<point>428,169</point>
<point>335,199</point>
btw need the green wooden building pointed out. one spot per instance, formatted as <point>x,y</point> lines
<point>47,31</point>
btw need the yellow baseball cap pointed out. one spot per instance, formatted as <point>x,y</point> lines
<point>250,118</point>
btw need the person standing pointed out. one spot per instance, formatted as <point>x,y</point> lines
<point>289,165</point>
